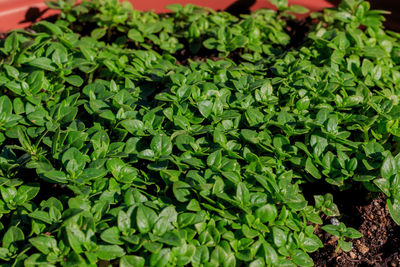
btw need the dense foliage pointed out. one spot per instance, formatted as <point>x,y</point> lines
<point>113,150</point>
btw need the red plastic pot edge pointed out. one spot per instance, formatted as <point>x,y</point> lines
<point>13,13</point>
<point>18,14</point>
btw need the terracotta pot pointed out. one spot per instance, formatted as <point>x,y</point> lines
<point>16,14</point>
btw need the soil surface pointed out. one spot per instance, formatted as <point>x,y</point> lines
<point>379,246</point>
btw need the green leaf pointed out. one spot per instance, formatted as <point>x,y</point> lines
<point>98,33</point>
<point>74,80</point>
<point>53,28</point>
<point>215,159</point>
<point>366,67</point>
<point>76,238</point>
<point>135,35</point>
<point>145,219</point>
<point>394,209</point>
<point>242,193</point>
<point>41,216</point>
<point>332,229</point>
<point>27,192</point>
<point>205,108</point>
<point>111,236</point>
<point>311,169</point>
<point>60,56</point>
<point>280,4</point>
<point>161,145</point>
<point>181,191</point>
<point>384,185</point>
<point>92,174</point>
<point>42,63</point>
<point>172,239</point>
<point>115,166</point>
<point>267,213</point>
<point>186,219</point>
<point>279,236</point>
<point>254,116</point>
<point>13,235</point>
<point>8,194</point>
<point>388,168</point>
<point>109,252</point>
<point>131,261</point>
<point>352,233</point>
<point>160,258</point>
<point>4,254</point>
<point>124,221</point>
<point>344,245</point>
<point>301,258</point>
<point>5,105</point>
<point>44,244</point>
<point>298,9</point>
<point>373,52</point>
<point>73,160</point>
<point>312,244</point>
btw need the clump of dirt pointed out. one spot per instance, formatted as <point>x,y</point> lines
<point>379,246</point>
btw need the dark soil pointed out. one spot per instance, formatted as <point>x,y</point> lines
<point>183,56</point>
<point>379,246</point>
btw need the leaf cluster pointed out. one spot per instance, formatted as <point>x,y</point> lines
<point>111,151</point>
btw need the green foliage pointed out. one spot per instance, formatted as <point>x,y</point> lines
<point>112,150</point>
<point>341,231</point>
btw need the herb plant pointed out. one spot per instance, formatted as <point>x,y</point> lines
<point>114,151</point>
<point>341,231</point>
